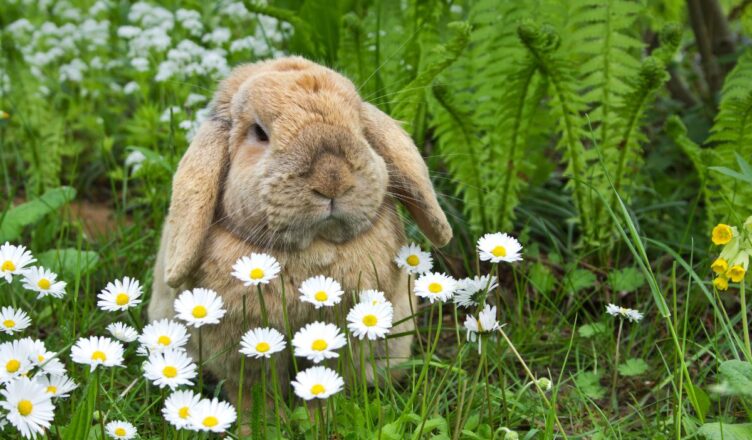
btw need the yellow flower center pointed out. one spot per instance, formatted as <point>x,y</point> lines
<point>52,389</point>
<point>25,407</point>
<point>499,251</point>
<point>98,356</point>
<point>40,358</point>
<point>9,323</point>
<point>210,421</point>
<point>321,296</point>
<point>12,366</point>
<point>434,288</point>
<point>719,266</point>
<point>722,234</point>
<point>262,347</point>
<point>170,371</point>
<point>120,432</point>
<point>44,284</point>
<point>164,340</point>
<point>8,266</point>
<point>183,412</point>
<point>257,274</point>
<point>412,260</point>
<point>199,312</point>
<point>370,320</point>
<point>319,345</point>
<point>736,273</point>
<point>122,299</point>
<point>317,389</point>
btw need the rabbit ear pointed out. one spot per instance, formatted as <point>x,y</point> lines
<point>195,189</point>
<point>408,174</point>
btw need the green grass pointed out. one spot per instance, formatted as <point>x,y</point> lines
<point>682,372</point>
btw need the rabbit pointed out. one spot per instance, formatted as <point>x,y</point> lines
<point>292,163</point>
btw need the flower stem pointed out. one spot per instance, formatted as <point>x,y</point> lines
<point>264,317</point>
<point>241,409</point>
<point>412,313</point>
<point>200,362</point>
<point>614,400</point>
<point>745,325</point>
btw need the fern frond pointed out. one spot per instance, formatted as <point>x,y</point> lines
<point>732,134</point>
<point>542,43</point>
<point>464,155</point>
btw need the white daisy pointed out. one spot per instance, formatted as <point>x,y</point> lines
<point>120,430</point>
<point>40,357</point>
<point>256,269</point>
<point>122,331</point>
<point>212,415</point>
<point>199,307</point>
<point>485,323</point>
<point>370,320</point>
<point>13,320</point>
<point>262,342</point>
<point>161,335</point>
<point>95,351</point>
<point>621,312</point>
<point>44,282</point>
<point>14,360</point>
<point>317,341</point>
<point>56,386</point>
<point>499,247</point>
<point>373,297</point>
<point>469,288</point>
<point>179,407</point>
<point>30,408</point>
<point>120,295</point>
<point>413,259</point>
<point>170,368</point>
<point>435,286</point>
<point>317,383</point>
<point>13,260</point>
<point>321,291</point>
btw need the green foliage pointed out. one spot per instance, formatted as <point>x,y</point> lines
<point>16,218</point>
<point>71,262</point>
<point>726,431</point>
<point>626,280</point>
<point>633,367</point>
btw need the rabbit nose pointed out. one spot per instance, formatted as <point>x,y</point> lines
<point>331,177</point>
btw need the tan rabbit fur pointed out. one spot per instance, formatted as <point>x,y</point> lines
<point>314,185</point>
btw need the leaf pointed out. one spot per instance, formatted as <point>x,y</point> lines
<point>628,279</point>
<point>590,330</point>
<point>80,423</point>
<point>703,401</point>
<point>733,174</point>
<point>579,279</point>
<point>17,217</point>
<point>633,367</point>
<point>737,377</point>
<point>69,261</point>
<point>541,278</point>
<point>589,383</point>
<point>726,431</point>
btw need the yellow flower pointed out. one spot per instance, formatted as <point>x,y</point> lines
<point>720,266</point>
<point>736,273</point>
<point>721,283</point>
<point>722,234</point>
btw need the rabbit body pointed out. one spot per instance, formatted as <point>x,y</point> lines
<point>293,164</point>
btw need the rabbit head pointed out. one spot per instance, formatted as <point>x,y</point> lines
<point>290,154</point>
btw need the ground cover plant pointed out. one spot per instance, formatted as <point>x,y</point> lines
<point>593,157</point>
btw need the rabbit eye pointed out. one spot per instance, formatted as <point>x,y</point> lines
<point>259,133</point>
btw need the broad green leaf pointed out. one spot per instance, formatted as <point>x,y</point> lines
<point>541,278</point>
<point>628,279</point>
<point>737,377</point>
<point>25,214</point>
<point>590,330</point>
<point>725,431</point>
<point>733,174</point>
<point>633,367</point>
<point>579,279</point>
<point>70,262</point>
<point>702,399</point>
<point>589,383</point>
